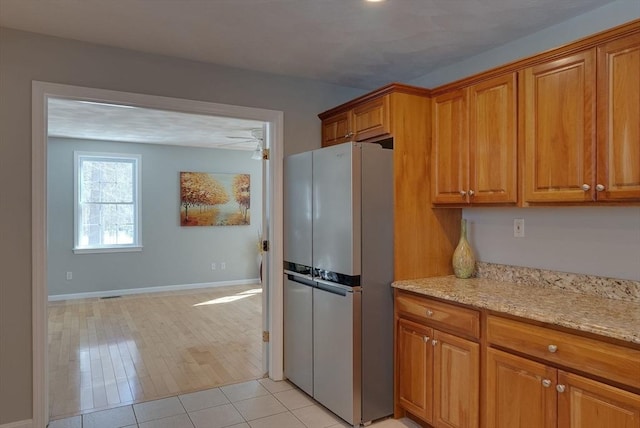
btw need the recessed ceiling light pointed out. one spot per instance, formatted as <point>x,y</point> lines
<point>375,1</point>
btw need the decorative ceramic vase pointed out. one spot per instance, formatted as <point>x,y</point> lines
<point>464,260</point>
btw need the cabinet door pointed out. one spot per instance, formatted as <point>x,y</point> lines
<point>558,107</point>
<point>456,389</point>
<point>520,393</point>
<point>371,119</point>
<point>415,369</point>
<point>335,129</point>
<point>618,176</point>
<point>450,157</point>
<point>493,141</point>
<point>585,403</point>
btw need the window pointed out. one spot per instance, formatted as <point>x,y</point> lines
<point>107,195</point>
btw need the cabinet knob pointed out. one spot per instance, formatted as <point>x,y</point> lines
<point>599,187</point>
<point>586,187</point>
<point>546,383</point>
<point>471,192</point>
<point>552,348</point>
<point>463,193</point>
<point>425,339</point>
<point>434,342</point>
<point>560,388</point>
<point>429,312</point>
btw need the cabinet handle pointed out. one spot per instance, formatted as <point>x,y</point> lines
<point>348,134</point>
<point>463,193</point>
<point>471,192</point>
<point>560,388</point>
<point>429,312</point>
<point>599,187</point>
<point>552,348</point>
<point>434,342</point>
<point>586,187</point>
<point>425,339</point>
<point>546,383</point>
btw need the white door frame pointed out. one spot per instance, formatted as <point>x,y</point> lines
<point>41,91</point>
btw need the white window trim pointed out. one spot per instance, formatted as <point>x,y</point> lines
<point>137,245</point>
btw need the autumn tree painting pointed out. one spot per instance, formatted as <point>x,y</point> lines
<point>242,193</point>
<point>205,199</point>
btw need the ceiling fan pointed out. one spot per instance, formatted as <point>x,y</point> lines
<point>256,136</point>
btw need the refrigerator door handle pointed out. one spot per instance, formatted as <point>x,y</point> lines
<point>335,288</point>
<point>300,279</point>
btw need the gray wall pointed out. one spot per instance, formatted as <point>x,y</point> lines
<point>592,240</point>
<point>603,241</point>
<point>27,56</point>
<point>172,254</point>
<point>603,18</point>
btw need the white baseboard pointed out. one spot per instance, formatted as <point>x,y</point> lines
<point>19,424</point>
<point>111,293</point>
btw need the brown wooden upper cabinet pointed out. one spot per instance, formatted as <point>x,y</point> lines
<point>558,105</point>
<point>335,129</point>
<point>618,141</point>
<point>581,122</point>
<point>474,155</point>
<point>363,122</point>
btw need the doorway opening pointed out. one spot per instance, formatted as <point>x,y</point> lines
<point>272,261</point>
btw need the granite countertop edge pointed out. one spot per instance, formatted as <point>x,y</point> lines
<point>617,319</point>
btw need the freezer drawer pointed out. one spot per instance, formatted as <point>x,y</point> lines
<point>336,350</point>
<point>298,331</point>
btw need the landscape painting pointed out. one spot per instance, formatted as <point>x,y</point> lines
<point>212,199</point>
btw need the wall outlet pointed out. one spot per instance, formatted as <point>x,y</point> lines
<point>69,276</point>
<point>223,265</point>
<point>213,266</point>
<point>518,228</point>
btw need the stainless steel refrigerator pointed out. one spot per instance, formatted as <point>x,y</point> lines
<point>338,303</point>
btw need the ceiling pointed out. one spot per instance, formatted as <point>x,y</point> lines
<point>110,122</point>
<point>346,42</point>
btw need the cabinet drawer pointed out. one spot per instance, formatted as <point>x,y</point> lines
<point>614,362</point>
<point>444,316</point>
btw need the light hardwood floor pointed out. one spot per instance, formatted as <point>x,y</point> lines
<point>105,353</point>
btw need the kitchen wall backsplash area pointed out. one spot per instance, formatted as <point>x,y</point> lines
<point>610,288</point>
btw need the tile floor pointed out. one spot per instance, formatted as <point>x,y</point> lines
<point>254,404</point>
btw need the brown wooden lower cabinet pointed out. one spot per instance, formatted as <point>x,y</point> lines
<point>586,403</point>
<point>525,394</point>
<point>415,369</point>
<point>456,386</point>
<point>438,376</point>
<point>529,372</point>
<point>520,392</point>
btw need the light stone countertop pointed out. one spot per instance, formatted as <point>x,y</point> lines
<point>618,319</point>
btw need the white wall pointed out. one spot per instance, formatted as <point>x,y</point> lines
<point>601,241</point>
<point>172,254</point>
<point>25,57</point>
